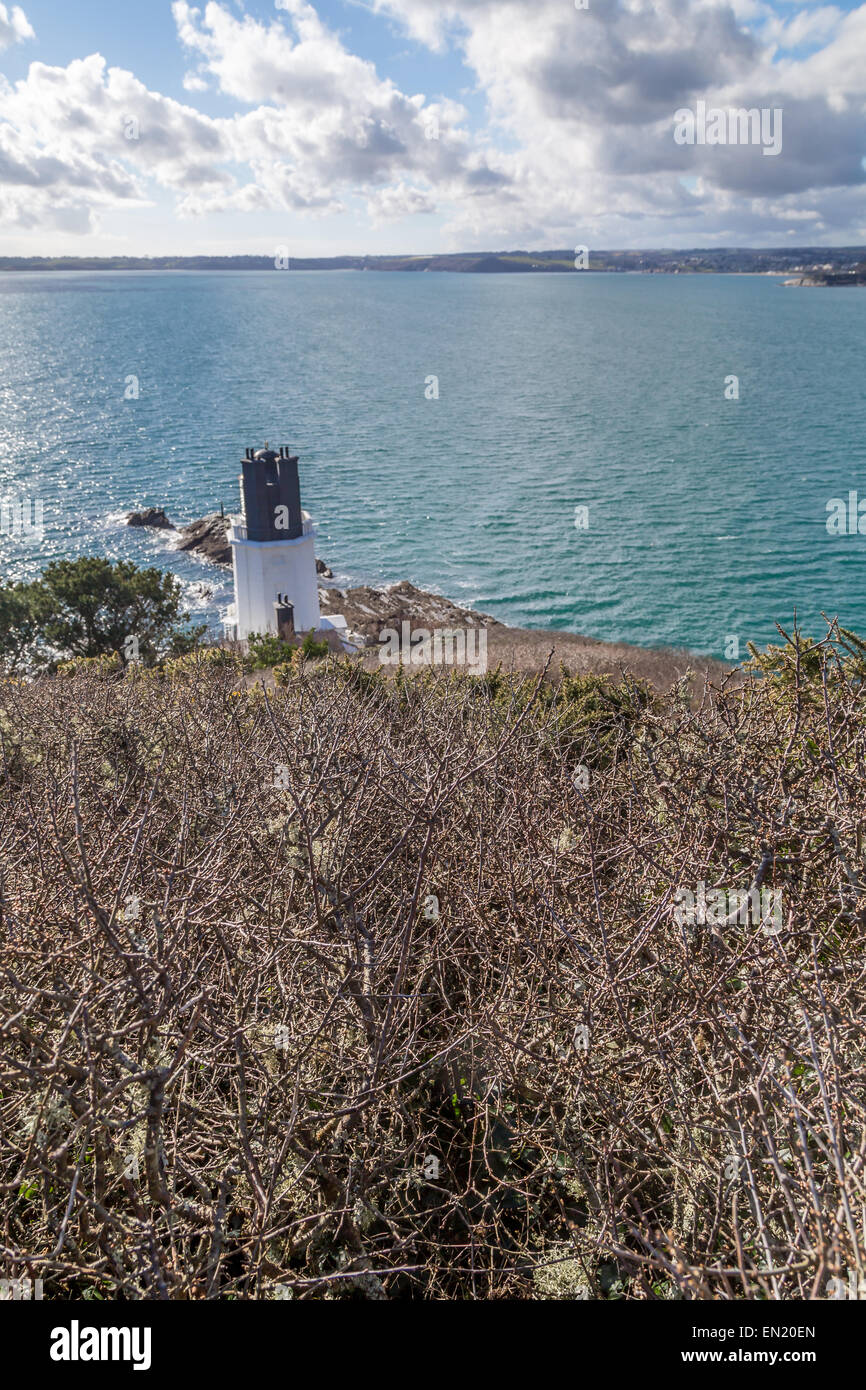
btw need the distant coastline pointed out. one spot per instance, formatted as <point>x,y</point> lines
<point>815,265</point>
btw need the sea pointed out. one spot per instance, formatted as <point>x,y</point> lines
<point>639,458</point>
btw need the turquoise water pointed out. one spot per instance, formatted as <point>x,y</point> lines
<point>706,515</point>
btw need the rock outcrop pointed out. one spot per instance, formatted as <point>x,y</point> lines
<point>151,516</point>
<point>368,610</point>
<point>209,538</point>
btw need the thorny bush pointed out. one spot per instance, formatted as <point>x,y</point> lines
<point>355,988</point>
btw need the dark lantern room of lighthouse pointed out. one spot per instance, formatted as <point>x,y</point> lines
<point>270,482</point>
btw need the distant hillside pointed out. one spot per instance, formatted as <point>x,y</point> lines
<point>819,264</point>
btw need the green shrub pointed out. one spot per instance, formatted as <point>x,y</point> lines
<point>267,650</point>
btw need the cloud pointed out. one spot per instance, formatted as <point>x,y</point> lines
<point>324,114</point>
<point>81,140</point>
<point>574,143</point>
<point>14,26</point>
<point>396,202</point>
<point>316,125</point>
<point>584,103</point>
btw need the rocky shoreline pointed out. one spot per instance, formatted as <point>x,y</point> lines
<point>856,277</point>
<point>208,536</point>
<point>369,610</point>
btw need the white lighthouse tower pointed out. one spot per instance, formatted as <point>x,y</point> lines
<point>273,549</point>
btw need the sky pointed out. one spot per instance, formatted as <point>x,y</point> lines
<point>146,127</point>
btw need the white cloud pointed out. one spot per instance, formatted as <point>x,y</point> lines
<point>328,118</point>
<point>584,101</point>
<point>14,26</point>
<point>576,143</point>
<point>317,126</point>
<point>398,201</point>
<point>80,140</point>
<point>804,29</point>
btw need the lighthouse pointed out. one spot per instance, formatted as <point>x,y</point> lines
<point>273,548</point>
